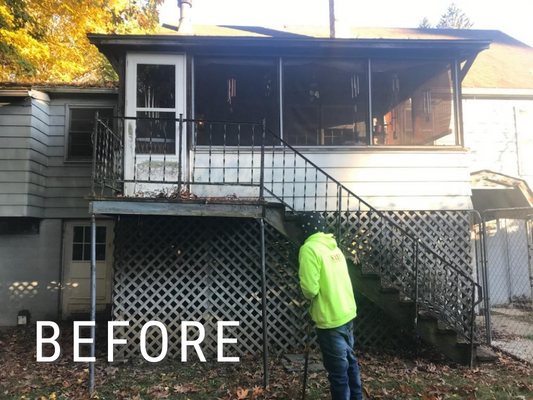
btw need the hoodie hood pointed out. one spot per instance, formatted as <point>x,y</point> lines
<point>325,239</point>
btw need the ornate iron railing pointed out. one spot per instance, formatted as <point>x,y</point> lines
<point>248,160</point>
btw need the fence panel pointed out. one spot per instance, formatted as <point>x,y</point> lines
<point>508,277</point>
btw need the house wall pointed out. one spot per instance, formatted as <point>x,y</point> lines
<point>68,181</point>
<point>386,179</point>
<point>23,157</point>
<point>30,273</point>
<point>499,133</point>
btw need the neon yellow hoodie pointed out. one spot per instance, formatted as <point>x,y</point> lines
<point>325,281</point>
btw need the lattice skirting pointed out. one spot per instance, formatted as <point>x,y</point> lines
<point>208,269</point>
<point>446,232</point>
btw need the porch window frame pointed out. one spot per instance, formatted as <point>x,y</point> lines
<point>455,70</point>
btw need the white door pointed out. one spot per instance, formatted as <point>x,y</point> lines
<point>156,96</point>
<point>77,266</point>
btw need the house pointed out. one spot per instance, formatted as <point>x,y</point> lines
<point>214,140</point>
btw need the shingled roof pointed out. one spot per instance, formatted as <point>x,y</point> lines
<point>508,64</point>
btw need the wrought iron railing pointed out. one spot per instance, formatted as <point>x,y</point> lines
<point>249,160</point>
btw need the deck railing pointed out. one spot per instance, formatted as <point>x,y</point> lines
<point>257,163</point>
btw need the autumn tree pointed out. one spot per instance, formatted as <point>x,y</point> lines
<point>46,40</point>
<point>453,18</point>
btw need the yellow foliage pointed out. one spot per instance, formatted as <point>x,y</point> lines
<point>46,40</point>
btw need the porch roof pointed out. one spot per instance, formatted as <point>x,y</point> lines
<point>505,53</point>
<point>264,41</point>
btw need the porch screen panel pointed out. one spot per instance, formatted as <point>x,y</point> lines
<point>156,104</point>
<point>412,103</point>
<point>235,90</point>
<point>325,102</point>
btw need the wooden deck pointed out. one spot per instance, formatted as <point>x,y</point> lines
<point>207,207</point>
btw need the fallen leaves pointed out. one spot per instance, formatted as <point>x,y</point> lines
<point>387,375</point>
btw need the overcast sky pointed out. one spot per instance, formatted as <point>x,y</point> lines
<point>514,17</point>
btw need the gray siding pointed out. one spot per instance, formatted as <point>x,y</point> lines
<point>30,274</point>
<point>23,158</point>
<point>68,182</point>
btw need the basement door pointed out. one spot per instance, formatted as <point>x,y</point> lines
<point>155,99</point>
<point>77,266</point>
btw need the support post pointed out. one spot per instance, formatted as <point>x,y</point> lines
<point>417,288</point>
<point>264,302</point>
<point>488,322</point>
<point>262,170</point>
<point>93,301</point>
<point>180,158</point>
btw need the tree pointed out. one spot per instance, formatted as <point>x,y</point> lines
<point>454,18</point>
<point>425,24</point>
<point>46,40</point>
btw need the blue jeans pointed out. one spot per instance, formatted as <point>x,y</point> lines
<point>340,362</point>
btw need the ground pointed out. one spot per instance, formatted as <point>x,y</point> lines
<point>512,330</point>
<point>420,374</point>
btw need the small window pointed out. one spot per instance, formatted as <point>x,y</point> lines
<point>81,246</point>
<point>19,226</point>
<point>80,130</point>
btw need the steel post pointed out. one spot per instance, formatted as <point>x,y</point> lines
<point>264,302</point>
<point>93,301</point>
<point>262,170</point>
<point>488,322</point>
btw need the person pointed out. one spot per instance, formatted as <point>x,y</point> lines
<point>324,279</point>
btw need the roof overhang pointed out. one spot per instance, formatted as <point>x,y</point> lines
<point>493,190</point>
<point>496,93</point>
<point>398,48</point>
<point>17,94</point>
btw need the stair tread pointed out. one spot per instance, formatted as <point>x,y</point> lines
<point>485,354</point>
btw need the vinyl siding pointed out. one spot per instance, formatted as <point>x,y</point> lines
<point>67,182</point>
<point>387,179</point>
<point>23,158</point>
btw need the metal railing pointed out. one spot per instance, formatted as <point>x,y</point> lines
<point>247,160</point>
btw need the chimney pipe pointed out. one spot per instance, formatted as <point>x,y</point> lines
<point>185,23</point>
<point>338,26</point>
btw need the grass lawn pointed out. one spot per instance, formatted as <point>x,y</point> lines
<point>385,374</point>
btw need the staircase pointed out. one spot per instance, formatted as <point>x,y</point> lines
<point>404,311</point>
<point>423,291</point>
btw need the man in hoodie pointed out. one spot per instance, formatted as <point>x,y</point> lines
<point>325,281</point>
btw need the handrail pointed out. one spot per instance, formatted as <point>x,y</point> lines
<point>367,204</point>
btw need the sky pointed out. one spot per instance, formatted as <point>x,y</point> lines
<point>514,17</point>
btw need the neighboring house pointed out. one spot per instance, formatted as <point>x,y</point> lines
<point>352,126</point>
